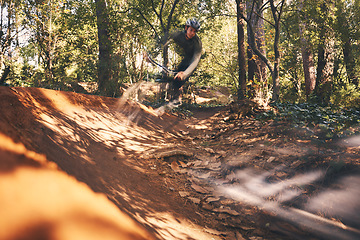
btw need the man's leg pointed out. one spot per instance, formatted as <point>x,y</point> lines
<point>176,90</point>
<point>177,84</point>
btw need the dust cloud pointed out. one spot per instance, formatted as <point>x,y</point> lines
<point>352,141</point>
<point>340,202</point>
<point>140,92</point>
<point>254,188</point>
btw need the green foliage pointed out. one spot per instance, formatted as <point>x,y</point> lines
<point>328,121</point>
<point>336,21</point>
<point>219,63</point>
<point>346,95</point>
<point>78,58</point>
<point>61,47</point>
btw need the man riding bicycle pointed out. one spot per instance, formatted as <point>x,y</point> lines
<point>191,47</point>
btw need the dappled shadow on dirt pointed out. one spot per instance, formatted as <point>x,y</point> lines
<point>100,143</point>
<point>204,177</point>
<point>40,202</point>
<point>302,186</point>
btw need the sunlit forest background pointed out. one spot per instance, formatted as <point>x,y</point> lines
<point>287,51</point>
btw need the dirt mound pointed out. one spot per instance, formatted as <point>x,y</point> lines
<point>38,201</point>
<point>48,136</point>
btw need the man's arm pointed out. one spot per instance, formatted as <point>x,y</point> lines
<point>192,66</point>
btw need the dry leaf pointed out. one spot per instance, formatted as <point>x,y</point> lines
<point>270,159</point>
<point>202,158</point>
<point>175,166</point>
<point>212,199</point>
<point>189,164</point>
<point>227,201</point>
<point>239,236</point>
<point>207,206</point>
<point>199,188</point>
<point>226,210</point>
<point>183,194</point>
<point>197,163</point>
<point>281,174</point>
<point>232,212</point>
<point>222,153</point>
<point>210,189</point>
<point>183,165</point>
<point>205,175</point>
<point>215,166</point>
<point>247,228</point>
<point>213,231</point>
<point>210,150</point>
<point>194,200</point>
<point>162,173</point>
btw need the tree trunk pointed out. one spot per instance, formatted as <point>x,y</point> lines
<point>256,67</point>
<point>4,75</point>
<point>275,75</point>
<point>350,63</point>
<point>107,85</point>
<point>166,29</point>
<point>49,49</point>
<point>241,50</point>
<point>309,69</point>
<point>260,40</point>
<point>276,12</point>
<point>325,67</point>
<point>346,35</point>
<point>307,58</point>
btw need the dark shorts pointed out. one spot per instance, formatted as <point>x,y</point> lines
<point>182,67</point>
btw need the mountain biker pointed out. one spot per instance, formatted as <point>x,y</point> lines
<point>191,47</point>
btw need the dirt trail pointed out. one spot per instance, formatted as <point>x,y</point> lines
<point>166,177</point>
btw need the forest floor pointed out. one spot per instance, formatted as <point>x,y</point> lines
<point>207,175</point>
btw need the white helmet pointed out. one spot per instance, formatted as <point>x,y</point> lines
<point>193,22</point>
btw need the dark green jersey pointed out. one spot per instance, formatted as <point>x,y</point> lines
<point>191,49</point>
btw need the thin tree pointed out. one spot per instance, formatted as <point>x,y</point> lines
<point>306,54</point>
<point>325,56</point>
<point>241,50</point>
<point>256,67</point>
<point>41,22</point>
<point>277,12</point>
<point>106,84</point>
<point>346,35</point>
<point>6,38</point>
